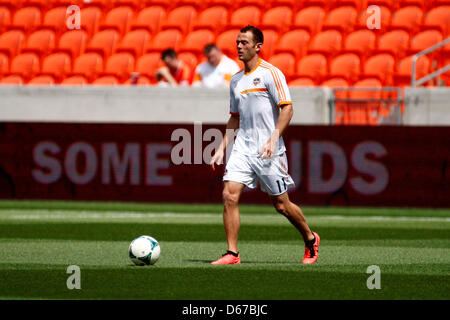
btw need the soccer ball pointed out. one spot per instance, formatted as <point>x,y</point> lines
<point>144,250</point>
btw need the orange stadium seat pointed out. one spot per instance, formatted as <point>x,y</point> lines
<point>302,82</point>
<point>285,62</point>
<point>73,42</point>
<point>230,5</point>
<point>56,66</point>
<point>361,42</point>
<point>346,66</point>
<point>261,4</point>
<point>74,81</point>
<point>104,5</point>
<point>326,4</point>
<point>359,5</point>
<point>335,83</point>
<point>11,42</point>
<point>407,18</point>
<point>120,66</point>
<point>391,4</point>
<point>42,4</point>
<point>197,4</point>
<point>55,19</point>
<point>5,18</point>
<point>118,19</point>
<point>313,66</point>
<point>380,66</point>
<point>214,18</point>
<point>294,4</point>
<point>294,42</point>
<point>88,65</point>
<point>41,81</point>
<point>404,70</point>
<point>40,42</point>
<point>270,40</point>
<point>149,18</point>
<point>226,42</point>
<point>104,42</point>
<point>341,18</point>
<point>135,42</point>
<point>243,16</point>
<point>25,65</point>
<point>106,81</point>
<point>419,3</point>
<point>310,19</point>
<point>67,3</point>
<point>195,41</point>
<point>135,4</point>
<point>327,42</point>
<point>90,19</point>
<point>166,39</point>
<point>189,58</point>
<point>278,18</point>
<point>26,19</point>
<point>368,18</point>
<point>166,4</point>
<point>424,40</point>
<point>147,65</point>
<point>4,64</point>
<point>180,18</point>
<point>395,42</point>
<point>438,18</point>
<point>364,113</point>
<point>12,80</point>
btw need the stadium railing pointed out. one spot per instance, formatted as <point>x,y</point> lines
<point>417,82</point>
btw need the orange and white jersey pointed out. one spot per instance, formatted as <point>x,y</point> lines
<point>206,75</point>
<point>256,97</point>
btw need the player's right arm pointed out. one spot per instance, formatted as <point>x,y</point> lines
<point>232,125</point>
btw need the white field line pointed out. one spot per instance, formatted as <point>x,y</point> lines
<point>37,214</point>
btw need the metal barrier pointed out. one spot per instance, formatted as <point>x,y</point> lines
<point>366,106</point>
<point>417,82</point>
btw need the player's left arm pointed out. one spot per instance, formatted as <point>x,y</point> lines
<point>283,122</point>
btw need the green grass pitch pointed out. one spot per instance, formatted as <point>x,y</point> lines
<point>39,240</point>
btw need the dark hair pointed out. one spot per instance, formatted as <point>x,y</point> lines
<point>257,34</point>
<point>168,53</point>
<point>207,49</point>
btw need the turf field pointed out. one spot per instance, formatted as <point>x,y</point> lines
<point>39,240</point>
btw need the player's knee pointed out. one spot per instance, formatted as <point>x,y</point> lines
<point>279,206</point>
<point>230,199</point>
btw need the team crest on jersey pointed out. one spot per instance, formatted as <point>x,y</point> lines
<point>256,81</point>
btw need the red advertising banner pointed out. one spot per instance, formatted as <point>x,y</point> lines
<point>330,165</point>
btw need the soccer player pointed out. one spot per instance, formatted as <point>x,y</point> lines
<point>261,108</point>
<point>216,72</point>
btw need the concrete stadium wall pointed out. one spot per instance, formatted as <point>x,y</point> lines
<point>427,106</point>
<point>184,105</point>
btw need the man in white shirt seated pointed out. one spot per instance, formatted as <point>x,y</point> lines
<point>217,71</point>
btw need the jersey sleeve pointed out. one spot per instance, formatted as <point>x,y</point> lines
<point>197,81</point>
<point>233,106</point>
<point>277,87</point>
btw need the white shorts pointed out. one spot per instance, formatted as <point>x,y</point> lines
<point>271,173</point>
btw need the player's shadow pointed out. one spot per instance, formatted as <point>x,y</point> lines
<point>246,262</point>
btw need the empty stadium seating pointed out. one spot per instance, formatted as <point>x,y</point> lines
<point>314,42</point>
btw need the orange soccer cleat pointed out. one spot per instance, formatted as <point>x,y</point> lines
<point>228,258</point>
<point>312,250</point>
